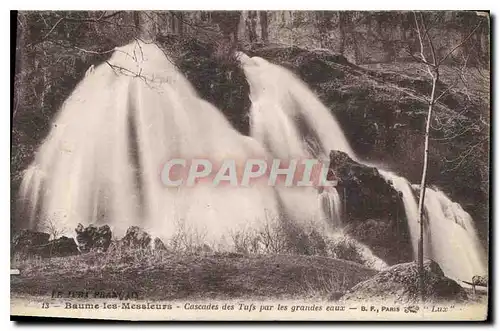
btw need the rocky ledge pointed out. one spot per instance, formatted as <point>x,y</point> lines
<point>399,285</point>
<point>372,210</point>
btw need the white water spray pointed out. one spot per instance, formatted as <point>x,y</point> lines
<point>291,122</point>
<point>102,160</point>
<point>450,237</point>
<point>282,105</point>
<point>331,208</point>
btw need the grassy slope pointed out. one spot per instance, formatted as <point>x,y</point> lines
<point>165,276</point>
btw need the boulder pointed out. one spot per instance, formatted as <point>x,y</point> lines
<point>369,194</point>
<point>136,238</point>
<point>93,238</point>
<point>480,280</point>
<point>159,245</point>
<point>399,284</point>
<point>59,247</point>
<point>23,240</point>
<point>373,211</point>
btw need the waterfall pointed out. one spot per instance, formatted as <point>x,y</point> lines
<point>287,116</point>
<point>450,237</point>
<point>101,162</point>
<point>290,121</point>
<point>102,159</point>
<point>410,204</point>
<point>330,204</point>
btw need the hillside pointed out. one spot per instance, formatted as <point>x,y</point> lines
<point>164,276</point>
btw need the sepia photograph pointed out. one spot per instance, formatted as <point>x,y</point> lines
<point>250,165</point>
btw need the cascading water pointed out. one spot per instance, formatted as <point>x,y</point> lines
<point>291,121</point>
<point>330,204</point>
<point>102,160</point>
<point>451,229</point>
<point>450,237</point>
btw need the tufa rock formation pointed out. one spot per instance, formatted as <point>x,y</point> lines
<point>33,243</point>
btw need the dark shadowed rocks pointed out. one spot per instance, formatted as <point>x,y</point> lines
<point>480,280</point>
<point>59,247</point>
<point>159,245</point>
<point>399,284</point>
<point>93,238</point>
<point>23,240</point>
<point>136,238</point>
<point>372,210</point>
<point>368,194</point>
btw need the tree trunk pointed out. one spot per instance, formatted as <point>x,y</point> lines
<point>420,255</point>
<point>180,23</point>
<point>251,25</point>
<point>342,33</point>
<point>263,25</point>
<point>146,28</point>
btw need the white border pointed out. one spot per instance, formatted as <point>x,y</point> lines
<point>207,5</point>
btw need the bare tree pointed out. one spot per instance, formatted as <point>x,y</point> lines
<point>49,225</point>
<point>432,62</point>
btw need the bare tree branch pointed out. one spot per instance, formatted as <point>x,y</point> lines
<point>422,49</point>
<point>460,44</point>
<point>82,49</point>
<point>445,91</point>
<point>429,40</point>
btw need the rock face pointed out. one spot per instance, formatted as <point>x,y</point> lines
<point>24,240</point>
<point>373,211</point>
<point>399,284</point>
<point>59,247</point>
<point>361,184</point>
<point>93,238</point>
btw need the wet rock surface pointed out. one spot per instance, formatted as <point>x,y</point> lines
<point>382,123</point>
<point>372,210</point>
